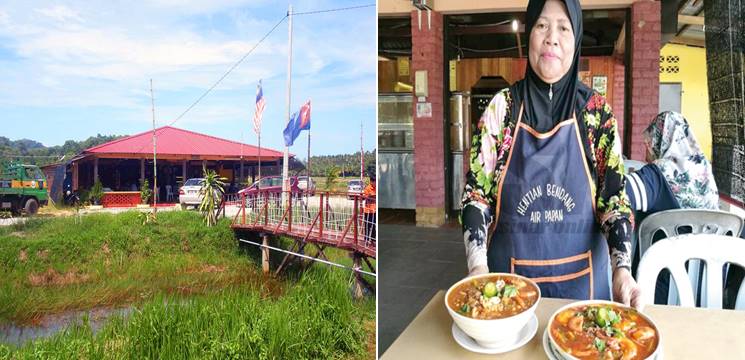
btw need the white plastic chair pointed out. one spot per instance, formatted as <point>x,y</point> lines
<point>632,165</point>
<point>698,221</point>
<point>672,253</point>
<point>169,193</point>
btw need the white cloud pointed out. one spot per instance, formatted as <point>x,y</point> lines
<point>84,57</point>
<point>202,6</point>
<point>60,13</point>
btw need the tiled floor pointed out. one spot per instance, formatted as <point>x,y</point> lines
<point>414,263</point>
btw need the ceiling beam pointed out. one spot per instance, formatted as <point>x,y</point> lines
<point>691,20</point>
<point>394,33</point>
<point>487,29</point>
<point>620,47</point>
<point>688,41</point>
<point>450,7</point>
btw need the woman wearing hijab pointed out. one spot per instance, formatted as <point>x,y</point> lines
<point>678,177</point>
<point>546,172</point>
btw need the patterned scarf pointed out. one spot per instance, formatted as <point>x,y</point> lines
<point>673,148</point>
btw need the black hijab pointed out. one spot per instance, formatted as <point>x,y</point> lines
<point>569,94</point>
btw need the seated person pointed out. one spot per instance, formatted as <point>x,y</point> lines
<point>678,176</point>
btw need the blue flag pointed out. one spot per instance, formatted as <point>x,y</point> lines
<point>298,121</point>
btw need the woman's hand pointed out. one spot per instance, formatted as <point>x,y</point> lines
<point>625,289</point>
<point>478,270</point>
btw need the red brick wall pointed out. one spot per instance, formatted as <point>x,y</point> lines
<point>617,104</point>
<point>429,146</point>
<point>645,76</point>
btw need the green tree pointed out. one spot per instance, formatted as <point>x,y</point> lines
<point>331,175</point>
<point>213,189</point>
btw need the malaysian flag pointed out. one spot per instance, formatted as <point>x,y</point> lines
<point>259,109</point>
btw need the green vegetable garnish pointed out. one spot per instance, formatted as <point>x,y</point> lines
<point>602,318</point>
<point>509,291</point>
<point>613,317</point>
<point>490,289</point>
<point>599,344</point>
<point>464,309</point>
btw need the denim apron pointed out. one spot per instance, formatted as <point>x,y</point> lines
<point>545,220</point>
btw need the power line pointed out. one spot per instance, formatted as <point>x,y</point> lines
<point>229,71</point>
<point>254,48</point>
<point>333,10</point>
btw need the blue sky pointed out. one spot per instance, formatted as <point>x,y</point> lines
<point>70,70</point>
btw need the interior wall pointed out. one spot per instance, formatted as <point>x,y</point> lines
<point>690,64</point>
<point>389,74</point>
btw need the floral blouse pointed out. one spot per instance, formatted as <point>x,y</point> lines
<point>490,148</point>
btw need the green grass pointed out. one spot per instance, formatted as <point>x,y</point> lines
<point>54,265</point>
<point>197,293</point>
<point>315,319</point>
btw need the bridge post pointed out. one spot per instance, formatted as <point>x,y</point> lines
<point>320,211</point>
<point>289,215</point>
<point>356,220</point>
<point>265,253</point>
<point>243,202</point>
<point>357,276</point>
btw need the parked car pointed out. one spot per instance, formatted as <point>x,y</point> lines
<point>270,184</point>
<point>188,195</point>
<point>307,185</point>
<point>354,187</point>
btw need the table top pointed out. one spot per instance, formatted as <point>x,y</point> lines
<point>687,333</point>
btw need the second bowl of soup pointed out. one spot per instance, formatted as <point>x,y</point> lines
<point>603,330</point>
<point>493,308</point>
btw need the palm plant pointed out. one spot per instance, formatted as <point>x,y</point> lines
<point>145,193</point>
<point>332,174</point>
<point>96,192</point>
<point>212,191</point>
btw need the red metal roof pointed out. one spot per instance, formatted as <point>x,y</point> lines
<point>174,141</point>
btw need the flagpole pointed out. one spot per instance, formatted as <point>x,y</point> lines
<point>258,186</point>
<point>155,160</point>
<point>307,187</point>
<point>362,155</point>
<point>285,180</point>
<point>240,178</point>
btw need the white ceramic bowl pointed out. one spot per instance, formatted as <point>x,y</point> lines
<point>567,356</point>
<point>495,332</point>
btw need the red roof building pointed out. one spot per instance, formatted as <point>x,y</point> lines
<point>123,164</point>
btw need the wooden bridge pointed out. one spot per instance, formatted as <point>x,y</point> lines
<point>319,221</point>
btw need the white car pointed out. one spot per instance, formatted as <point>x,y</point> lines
<point>188,195</point>
<point>302,183</point>
<point>354,187</point>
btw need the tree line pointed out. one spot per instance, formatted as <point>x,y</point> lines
<point>35,153</point>
<point>345,164</point>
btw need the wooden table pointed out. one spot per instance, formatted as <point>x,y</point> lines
<point>687,333</point>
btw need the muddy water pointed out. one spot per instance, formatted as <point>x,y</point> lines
<point>13,334</point>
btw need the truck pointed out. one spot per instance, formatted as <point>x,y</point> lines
<point>23,188</point>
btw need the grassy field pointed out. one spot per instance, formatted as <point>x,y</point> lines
<point>340,185</point>
<point>196,293</point>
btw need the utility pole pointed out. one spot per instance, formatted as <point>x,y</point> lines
<point>155,161</point>
<point>285,179</point>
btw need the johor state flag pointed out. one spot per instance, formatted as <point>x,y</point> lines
<point>298,121</point>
